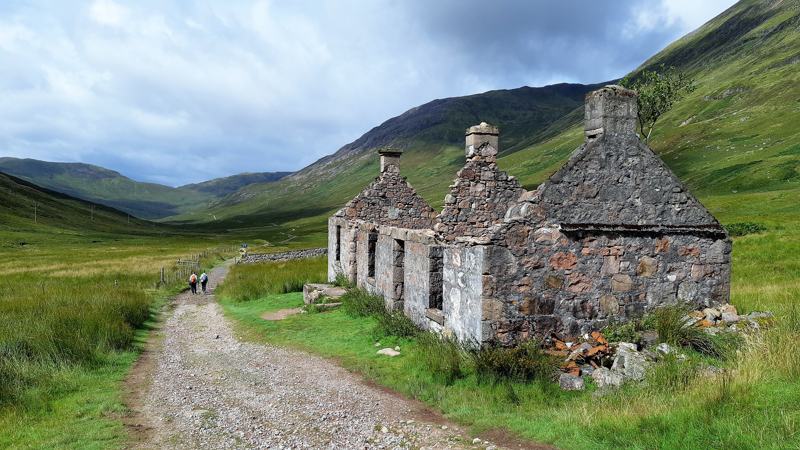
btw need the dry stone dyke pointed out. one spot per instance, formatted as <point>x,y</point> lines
<point>282,256</point>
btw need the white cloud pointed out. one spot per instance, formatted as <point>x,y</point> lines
<point>251,85</point>
<point>107,12</point>
<point>686,15</point>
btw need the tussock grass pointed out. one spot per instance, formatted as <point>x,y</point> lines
<point>73,310</point>
<point>246,282</point>
<point>48,324</point>
<point>395,323</point>
<point>744,228</point>
<point>673,374</point>
<point>525,362</point>
<point>443,357</point>
<point>673,329</point>
<point>358,302</point>
<point>341,280</point>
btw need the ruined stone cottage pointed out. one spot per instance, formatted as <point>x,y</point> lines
<point>611,235</point>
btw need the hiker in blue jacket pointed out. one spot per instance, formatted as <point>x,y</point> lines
<point>203,281</point>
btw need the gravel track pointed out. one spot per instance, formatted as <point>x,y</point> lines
<point>206,389</point>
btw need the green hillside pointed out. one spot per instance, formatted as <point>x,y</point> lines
<point>34,209</point>
<point>738,132</point>
<point>99,185</point>
<point>220,187</point>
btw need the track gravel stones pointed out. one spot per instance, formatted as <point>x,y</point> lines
<point>210,390</point>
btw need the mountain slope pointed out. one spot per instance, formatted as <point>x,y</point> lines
<point>29,207</point>
<point>93,183</point>
<point>220,187</point>
<point>740,130</point>
<point>432,136</point>
<point>107,187</point>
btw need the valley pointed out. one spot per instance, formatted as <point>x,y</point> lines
<point>81,249</point>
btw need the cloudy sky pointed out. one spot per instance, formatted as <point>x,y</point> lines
<point>179,91</point>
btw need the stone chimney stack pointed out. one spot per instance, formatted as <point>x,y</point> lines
<point>390,159</point>
<point>610,110</point>
<point>482,134</point>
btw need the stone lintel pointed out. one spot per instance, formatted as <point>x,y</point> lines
<point>435,315</point>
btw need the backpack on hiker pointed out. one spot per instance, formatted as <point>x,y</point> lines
<point>193,279</point>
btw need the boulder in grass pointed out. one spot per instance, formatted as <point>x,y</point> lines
<point>629,362</point>
<point>569,382</point>
<point>605,378</point>
<point>664,348</point>
<point>730,318</point>
<point>388,352</point>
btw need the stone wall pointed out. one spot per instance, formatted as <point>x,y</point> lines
<point>615,179</point>
<point>463,272</point>
<point>613,234</point>
<point>283,256</point>
<point>543,279</point>
<point>386,277</point>
<point>423,282</point>
<point>390,200</point>
<point>346,243</point>
<point>610,236</point>
<point>478,199</point>
<point>364,279</point>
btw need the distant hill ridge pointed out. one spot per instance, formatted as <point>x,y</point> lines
<point>141,199</point>
<point>737,132</point>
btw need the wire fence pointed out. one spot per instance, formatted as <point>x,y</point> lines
<point>180,271</point>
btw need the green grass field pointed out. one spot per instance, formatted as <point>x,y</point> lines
<point>77,300</point>
<point>74,309</point>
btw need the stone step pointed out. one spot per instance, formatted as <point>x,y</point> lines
<point>312,292</point>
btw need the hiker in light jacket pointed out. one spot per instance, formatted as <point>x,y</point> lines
<point>203,281</point>
<point>193,282</point>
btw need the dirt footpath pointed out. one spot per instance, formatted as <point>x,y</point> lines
<point>199,387</point>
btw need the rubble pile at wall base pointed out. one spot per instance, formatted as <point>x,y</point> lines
<point>612,364</point>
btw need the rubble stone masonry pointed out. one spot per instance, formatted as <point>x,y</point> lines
<point>481,193</point>
<point>610,236</point>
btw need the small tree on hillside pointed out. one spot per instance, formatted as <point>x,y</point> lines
<point>658,91</point>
